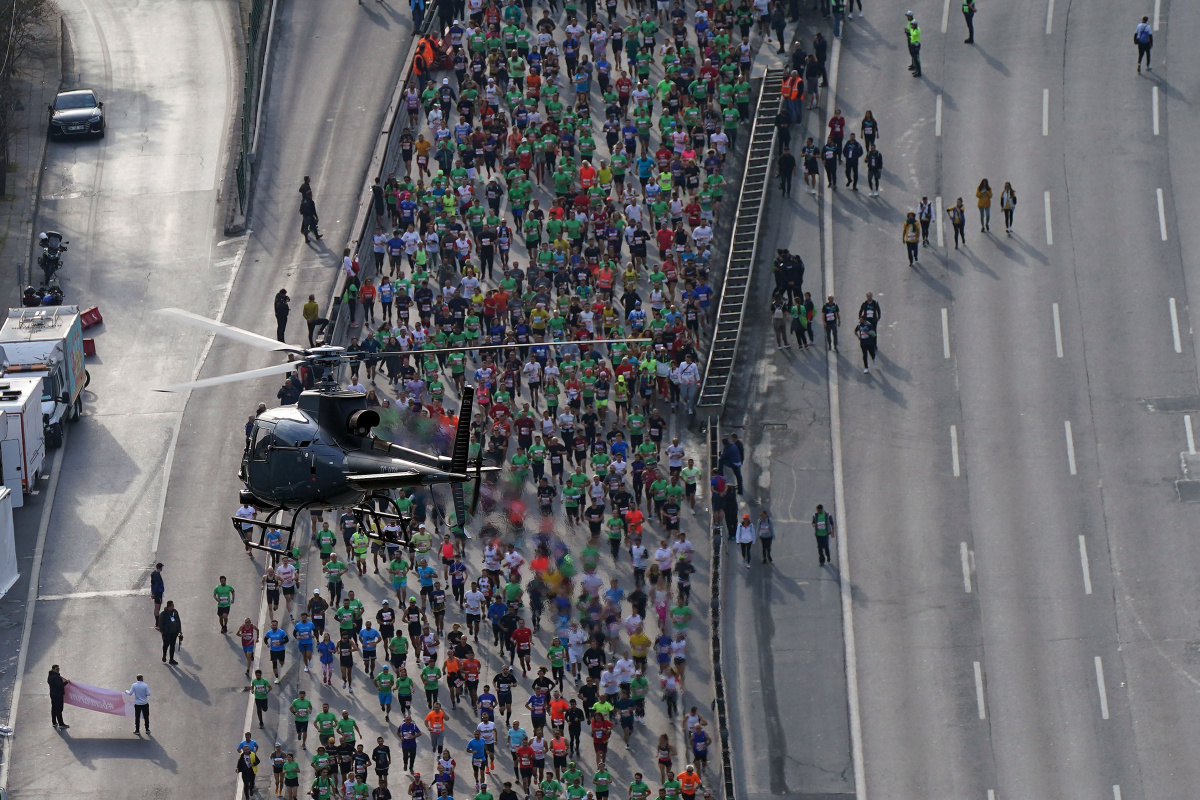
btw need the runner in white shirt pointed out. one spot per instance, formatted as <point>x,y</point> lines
<point>287,582</point>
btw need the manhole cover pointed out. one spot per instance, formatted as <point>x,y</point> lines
<point>774,426</point>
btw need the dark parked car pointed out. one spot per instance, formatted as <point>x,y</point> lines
<point>77,113</point>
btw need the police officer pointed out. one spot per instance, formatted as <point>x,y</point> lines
<point>909,19</point>
<point>787,169</point>
<point>968,9</point>
<point>914,47</point>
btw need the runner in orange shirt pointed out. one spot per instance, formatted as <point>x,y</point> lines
<point>435,723</point>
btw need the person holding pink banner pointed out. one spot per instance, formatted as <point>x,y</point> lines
<point>93,698</point>
<point>58,690</point>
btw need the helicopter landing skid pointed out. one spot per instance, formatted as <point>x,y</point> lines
<point>270,523</point>
<point>368,510</point>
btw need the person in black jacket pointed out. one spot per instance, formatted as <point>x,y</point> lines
<point>157,589</point>
<point>787,169</point>
<point>247,768</point>
<point>282,309</point>
<point>308,218</point>
<point>58,690</point>
<point>171,628</point>
<point>874,170</point>
<point>852,151</point>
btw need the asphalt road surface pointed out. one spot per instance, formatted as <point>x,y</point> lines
<point>140,208</point>
<point>1022,561</point>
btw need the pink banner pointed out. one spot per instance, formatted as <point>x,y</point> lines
<point>93,698</point>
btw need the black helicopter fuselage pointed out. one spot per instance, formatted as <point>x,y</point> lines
<point>319,454</point>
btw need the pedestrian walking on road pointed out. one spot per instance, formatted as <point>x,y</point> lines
<point>852,152</point>
<point>58,691</point>
<point>925,215</point>
<point>831,153</point>
<point>837,10</point>
<point>812,74</point>
<point>312,317</point>
<point>820,52</point>
<point>157,589</point>
<point>1143,37</point>
<point>874,169</point>
<point>779,323</point>
<point>779,24</point>
<point>823,527</point>
<point>833,318</point>
<point>984,197</point>
<point>811,168</point>
<point>1008,204</point>
<point>766,536</point>
<point>171,628</point>
<point>869,129</point>
<point>914,47</point>
<point>958,220</point>
<point>968,9</point>
<point>282,309</point>
<point>745,539</point>
<point>865,332</point>
<point>786,170</point>
<point>910,234</point>
<point>306,188</point>
<point>141,704</point>
<point>731,457</point>
<point>309,219</point>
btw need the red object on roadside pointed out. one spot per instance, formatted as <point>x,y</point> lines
<point>90,317</point>
<point>89,347</point>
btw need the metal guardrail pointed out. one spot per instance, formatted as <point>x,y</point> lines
<point>743,247</point>
<point>715,575</point>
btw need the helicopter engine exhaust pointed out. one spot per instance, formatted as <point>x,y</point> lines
<point>362,421</point>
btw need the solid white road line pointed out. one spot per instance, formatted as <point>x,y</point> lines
<point>1049,17</point>
<point>93,595</point>
<point>979,691</point>
<point>1070,446</point>
<point>1057,330</point>
<point>1175,326</point>
<point>35,577</point>
<point>1083,561</point>
<point>1191,440</point>
<point>845,584</point>
<point>937,215</point>
<point>1154,106</point>
<point>1157,14</point>
<point>946,17</point>
<point>1100,687</point>
<point>1162,215</point>
<point>945,327</point>
<point>991,794</point>
<point>954,453</point>
<point>965,555</point>
<point>937,117</point>
<point>1116,788</point>
<point>1045,112</point>
<point>1049,227</point>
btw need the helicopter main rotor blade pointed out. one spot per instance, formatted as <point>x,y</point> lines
<point>229,331</point>
<point>251,374</point>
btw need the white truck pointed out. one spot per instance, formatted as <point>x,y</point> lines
<point>47,342</point>
<point>22,437</point>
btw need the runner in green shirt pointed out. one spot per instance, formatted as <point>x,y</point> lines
<point>638,790</point>
<point>224,595</point>
<point>301,708</point>
<point>326,725</point>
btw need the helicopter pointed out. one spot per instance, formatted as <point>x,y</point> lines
<point>320,454</point>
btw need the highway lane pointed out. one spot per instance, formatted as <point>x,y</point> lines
<point>1039,716</point>
<point>141,209</point>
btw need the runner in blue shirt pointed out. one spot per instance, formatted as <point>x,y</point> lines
<point>409,732</point>
<point>478,750</point>
<point>369,637</point>
<point>305,633</point>
<point>426,575</point>
<point>276,639</point>
<point>326,648</point>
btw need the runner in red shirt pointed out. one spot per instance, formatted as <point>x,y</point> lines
<point>601,731</point>
<point>523,638</point>
<point>470,669</point>
<point>525,764</point>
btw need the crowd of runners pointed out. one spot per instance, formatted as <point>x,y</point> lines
<point>566,613</point>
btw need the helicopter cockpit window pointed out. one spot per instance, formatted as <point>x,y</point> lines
<point>264,437</point>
